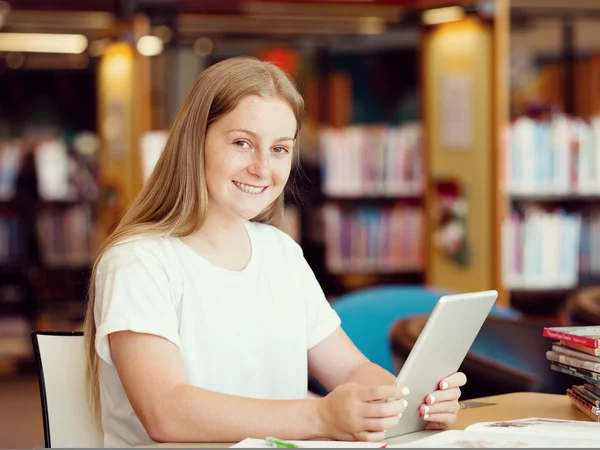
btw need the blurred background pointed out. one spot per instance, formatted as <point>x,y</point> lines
<point>449,146</point>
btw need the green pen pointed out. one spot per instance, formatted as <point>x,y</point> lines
<point>279,443</point>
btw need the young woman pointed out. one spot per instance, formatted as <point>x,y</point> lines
<point>203,321</point>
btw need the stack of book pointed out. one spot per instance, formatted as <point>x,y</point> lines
<point>576,352</point>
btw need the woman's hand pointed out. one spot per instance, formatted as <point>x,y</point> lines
<point>361,413</point>
<point>441,406</point>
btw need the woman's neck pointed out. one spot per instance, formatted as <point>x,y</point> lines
<point>222,234</point>
<point>223,244</point>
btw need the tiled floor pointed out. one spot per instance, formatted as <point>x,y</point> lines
<point>20,414</point>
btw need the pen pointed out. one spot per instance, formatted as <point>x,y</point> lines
<point>279,443</point>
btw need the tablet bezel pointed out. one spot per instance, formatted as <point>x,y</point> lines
<point>469,310</point>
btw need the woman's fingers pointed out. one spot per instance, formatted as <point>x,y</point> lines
<point>451,407</point>
<point>385,409</point>
<point>442,418</point>
<point>367,436</point>
<point>442,396</point>
<point>381,424</point>
<point>436,426</point>
<point>383,392</point>
<point>455,380</point>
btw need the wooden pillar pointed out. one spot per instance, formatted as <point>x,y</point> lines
<point>461,119</point>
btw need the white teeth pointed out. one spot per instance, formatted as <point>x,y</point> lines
<point>248,189</point>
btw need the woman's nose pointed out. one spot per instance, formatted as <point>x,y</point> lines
<point>260,166</point>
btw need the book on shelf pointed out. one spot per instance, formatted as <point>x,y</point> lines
<point>560,156</point>
<point>522,433</point>
<point>541,250</point>
<point>10,160</point>
<point>373,240</point>
<point>67,237</point>
<point>63,174</point>
<point>12,240</point>
<point>372,161</point>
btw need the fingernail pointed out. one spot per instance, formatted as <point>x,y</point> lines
<point>405,390</point>
<point>431,399</point>
<point>426,409</point>
<point>444,385</point>
<point>405,402</point>
<point>426,416</point>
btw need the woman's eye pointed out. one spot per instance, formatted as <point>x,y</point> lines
<point>242,144</point>
<point>280,150</point>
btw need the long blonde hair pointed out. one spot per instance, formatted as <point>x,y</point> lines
<point>174,200</point>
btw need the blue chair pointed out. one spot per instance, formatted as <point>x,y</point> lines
<point>368,314</point>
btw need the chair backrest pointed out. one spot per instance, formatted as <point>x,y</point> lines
<point>61,364</point>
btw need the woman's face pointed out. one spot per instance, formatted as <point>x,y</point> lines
<point>248,157</point>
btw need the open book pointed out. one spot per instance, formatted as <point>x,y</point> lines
<point>523,433</point>
<point>260,443</point>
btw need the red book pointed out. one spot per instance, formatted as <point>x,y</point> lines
<point>587,336</point>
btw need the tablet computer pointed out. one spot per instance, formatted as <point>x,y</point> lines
<point>440,350</point>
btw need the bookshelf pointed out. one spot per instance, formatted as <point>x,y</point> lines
<point>363,159</point>
<point>552,181</point>
<point>48,207</point>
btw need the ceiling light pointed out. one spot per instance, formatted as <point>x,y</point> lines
<point>443,15</point>
<point>371,25</point>
<point>43,43</point>
<point>150,45</point>
<point>203,47</point>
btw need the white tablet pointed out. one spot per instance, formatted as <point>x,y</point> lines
<point>440,350</point>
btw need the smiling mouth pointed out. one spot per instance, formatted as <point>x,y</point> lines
<point>249,189</point>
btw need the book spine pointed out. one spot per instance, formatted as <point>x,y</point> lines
<point>582,348</point>
<point>583,340</point>
<point>588,406</point>
<point>586,395</point>
<point>585,411</point>
<point>573,361</point>
<point>593,388</point>
<point>558,368</point>
<point>587,373</point>
<point>574,353</point>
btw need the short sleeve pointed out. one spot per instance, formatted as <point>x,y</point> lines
<point>133,293</point>
<point>321,318</point>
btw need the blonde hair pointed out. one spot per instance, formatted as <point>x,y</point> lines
<point>174,200</point>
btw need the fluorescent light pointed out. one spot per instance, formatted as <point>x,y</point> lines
<point>43,43</point>
<point>150,45</point>
<point>443,15</point>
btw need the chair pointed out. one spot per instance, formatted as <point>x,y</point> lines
<point>583,307</point>
<point>66,415</point>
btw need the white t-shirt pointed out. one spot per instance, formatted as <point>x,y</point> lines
<point>243,333</point>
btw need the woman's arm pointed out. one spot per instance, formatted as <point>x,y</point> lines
<point>152,374</point>
<point>337,360</point>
